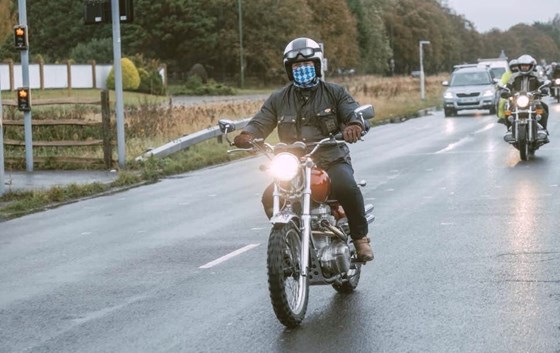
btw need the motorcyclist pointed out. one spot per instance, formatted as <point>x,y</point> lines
<point>553,71</point>
<point>310,109</point>
<point>527,80</point>
<point>513,68</point>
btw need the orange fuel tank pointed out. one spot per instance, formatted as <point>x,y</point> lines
<point>320,185</point>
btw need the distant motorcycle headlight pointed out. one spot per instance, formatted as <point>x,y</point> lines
<point>284,166</point>
<point>557,81</point>
<point>522,101</point>
<point>448,95</point>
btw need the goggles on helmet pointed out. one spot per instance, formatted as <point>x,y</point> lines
<point>305,52</point>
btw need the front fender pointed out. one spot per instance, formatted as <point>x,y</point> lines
<point>284,218</point>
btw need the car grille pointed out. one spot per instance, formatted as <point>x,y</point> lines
<point>464,95</point>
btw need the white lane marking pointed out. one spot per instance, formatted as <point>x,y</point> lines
<point>229,256</point>
<point>465,139</point>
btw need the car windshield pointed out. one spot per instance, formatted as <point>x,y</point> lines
<point>470,79</point>
<point>498,72</point>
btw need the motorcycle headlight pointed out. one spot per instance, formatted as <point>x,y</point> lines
<point>522,101</point>
<point>557,81</point>
<point>448,95</point>
<point>284,166</point>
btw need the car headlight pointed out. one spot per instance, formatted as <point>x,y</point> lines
<point>557,81</point>
<point>522,101</point>
<point>448,95</point>
<point>488,93</point>
<point>284,166</point>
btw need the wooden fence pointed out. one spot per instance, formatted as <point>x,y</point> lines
<point>104,125</point>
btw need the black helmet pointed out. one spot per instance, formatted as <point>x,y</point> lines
<point>302,49</point>
<point>526,63</point>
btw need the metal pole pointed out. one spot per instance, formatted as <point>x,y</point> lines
<point>121,150</point>
<point>242,63</point>
<point>422,89</point>
<point>25,81</point>
<point>1,144</point>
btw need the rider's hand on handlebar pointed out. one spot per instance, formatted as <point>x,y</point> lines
<point>243,140</point>
<point>352,133</point>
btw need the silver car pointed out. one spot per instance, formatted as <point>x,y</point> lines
<point>470,88</point>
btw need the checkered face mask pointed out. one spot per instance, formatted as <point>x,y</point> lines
<point>305,75</point>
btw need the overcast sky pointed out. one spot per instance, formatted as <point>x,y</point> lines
<point>502,14</point>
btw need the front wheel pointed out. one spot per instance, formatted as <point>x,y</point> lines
<point>289,289</point>
<point>449,112</point>
<point>523,144</point>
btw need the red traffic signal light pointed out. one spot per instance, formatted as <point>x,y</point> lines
<point>20,37</point>
<point>23,99</point>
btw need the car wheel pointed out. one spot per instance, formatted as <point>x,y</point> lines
<point>449,112</point>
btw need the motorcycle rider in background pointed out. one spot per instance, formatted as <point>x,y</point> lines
<point>526,80</point>
<point>310,109</point>
<point>513,68</point>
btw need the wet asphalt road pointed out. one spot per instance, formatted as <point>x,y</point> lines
<point>466,242</point>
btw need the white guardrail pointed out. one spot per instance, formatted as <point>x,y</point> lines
<point>187,141</point>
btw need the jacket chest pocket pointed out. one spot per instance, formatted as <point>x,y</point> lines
<point>327,121</point>
<point>287,130</point>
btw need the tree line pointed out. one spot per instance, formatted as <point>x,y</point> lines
<point>366,35</point>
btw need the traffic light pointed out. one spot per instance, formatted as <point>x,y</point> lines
<point>100,11</point>
<point>20,36</point>
<point>23,99</point>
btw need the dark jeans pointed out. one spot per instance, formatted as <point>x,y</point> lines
<point>345,190</point>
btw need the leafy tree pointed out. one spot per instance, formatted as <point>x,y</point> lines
<point>100,50</point>
<point>375,50</point>
<point>337,29</point>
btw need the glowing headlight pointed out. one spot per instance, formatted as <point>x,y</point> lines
<point>557,81</point>
<point>448,95</point>
<point>522,101</point>
<point>488,93</point>
<point>284,166</point>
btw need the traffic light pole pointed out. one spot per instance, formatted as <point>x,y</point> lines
<point>121,150</point>
<point>25,80</point>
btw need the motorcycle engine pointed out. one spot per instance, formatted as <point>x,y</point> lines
<point>333,253</point>
<point>334,258</point>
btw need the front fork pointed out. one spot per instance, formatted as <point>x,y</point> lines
<point>305,217</point>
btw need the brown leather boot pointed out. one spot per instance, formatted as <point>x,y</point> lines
<point>363,249</point>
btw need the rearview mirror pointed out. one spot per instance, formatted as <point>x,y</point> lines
<point>226,126</point>
<point>365,112</point>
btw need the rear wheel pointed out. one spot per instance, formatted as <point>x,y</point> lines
<point>289,290</point>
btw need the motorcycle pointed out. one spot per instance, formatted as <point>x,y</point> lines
<point>524,110</point>
<point>310,241</point>
<point>555,88</point>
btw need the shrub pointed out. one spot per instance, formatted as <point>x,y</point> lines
<point>150,82</point>
<point>130,76</point>
<point>100,50</point>
<point>199,71</point>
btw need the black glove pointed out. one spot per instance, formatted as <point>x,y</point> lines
<point>352,133</point>
<point>243,140</point>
